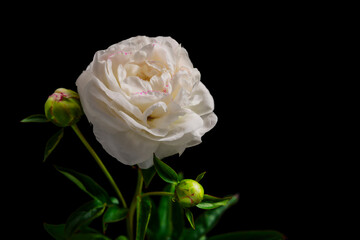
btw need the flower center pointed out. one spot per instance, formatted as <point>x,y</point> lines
<point>144,71</point>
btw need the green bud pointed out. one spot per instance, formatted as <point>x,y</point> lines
<point>189,193</point>
<point>63,107</point>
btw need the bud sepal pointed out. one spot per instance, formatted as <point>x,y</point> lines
<point>35,118</point>
<point>212,202</point>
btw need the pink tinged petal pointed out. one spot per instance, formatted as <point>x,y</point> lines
<point>158,83</point>
<point>133,84</point>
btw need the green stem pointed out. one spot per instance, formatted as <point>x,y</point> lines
<point>157,194</point>
<point>100,163</point>
<point>130,218</point>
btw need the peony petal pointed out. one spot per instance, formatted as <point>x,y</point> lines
<point>164,53</point>
<point>182,98</point>
<point>127,147</point>
<point>120,74</point>
<point>182,79</point>
<point>160,83</point>
<point>164,150</point>
<point>201,101</point>
<point>173,112</point>
<point>87,92</point>
<point>183,59</point>
<point>102,69</point>
<point>195,77</point>
<point>147,164</point>
<point>132,85</point>
<point>154,111</point>
<point>189,139</point>
<point>183,125</point>
<point>144,99</point>
<point>97,99</point>
<point>174,45</point>
<point>209,121</point>
<point>178,146</point>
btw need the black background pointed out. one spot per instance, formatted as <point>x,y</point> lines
<point>251,60</point>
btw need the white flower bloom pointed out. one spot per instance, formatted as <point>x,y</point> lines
<point>144,96</point>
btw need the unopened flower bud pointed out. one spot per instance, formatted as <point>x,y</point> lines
<point>63,107</point>
<point>189,193</point>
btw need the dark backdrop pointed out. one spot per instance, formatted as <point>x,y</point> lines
<point>247,57</point>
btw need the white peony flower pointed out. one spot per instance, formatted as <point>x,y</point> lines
<point>144,96</point>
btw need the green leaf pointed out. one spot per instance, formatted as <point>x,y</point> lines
<point>177,220</point>
<point>38,118</point>
<point>52,143</point>
<point>87,229</point>
<point>86,184</point>
<point>56,231</point>
<point>167,220</point>
<point>207,221</point>
<point>200,176</point>
<point>143,217</point>
<point>83,216</point>
<point>114,214</point>
<point>89,236</point>
<point>153,226</point>
<point>165,225</point>
<point>250,235</point>
<point>148,175</point>
<point>165,171</point>
<point>211,202</point>
<point>190,217</point>
<point>122,237</point>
